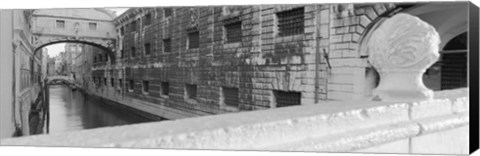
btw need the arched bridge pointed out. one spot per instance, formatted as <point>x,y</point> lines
<point>59,80</point>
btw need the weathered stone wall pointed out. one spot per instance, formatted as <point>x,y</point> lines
<point>324,62</point>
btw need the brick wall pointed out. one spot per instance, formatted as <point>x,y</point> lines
<point>262,63</point>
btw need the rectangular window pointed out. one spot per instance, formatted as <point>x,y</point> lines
<point>147,49</point>
<point>234,32</point>
<point>105,81</point>
<point>148,19</point>
<point>285,99</point>
<point>120,83</point>
<point>291,22</point>
<point>193,40</point>
<point>133,52</point>
<point>133,26</point>
<point>145,86</point>
<point>92,26</point>
<point>230,96</point>
<point>60,24</point>
<point>167,12</point>
<point>131,84</point>
<point>112,82</point>
<point>191,91</point>
<point>122,31</point>
<point>122,53</point>
<point>167,45</point>
<point>165,88</point>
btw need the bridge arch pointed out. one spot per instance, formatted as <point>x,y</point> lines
<point>93,27</point>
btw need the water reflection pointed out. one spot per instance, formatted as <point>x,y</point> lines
<point>71,111</point>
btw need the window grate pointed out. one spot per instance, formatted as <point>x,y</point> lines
<point>112,82</point>
<point>193,40</point>
<point>291,22</point>
<point>60,24</point>
<point>234,32</point>
<point>168,12</point>
<point>285,99</point>
<point>165,88</point>
<point>145,86</point>
<point>133,26</point>
<point>147,49</point>
<point>191,91</point>
<point>131,84</point>
<point>148,19</point>
<point>133,52</point>
<point>92,26</point>
<point>167,45</point>
<point>230,96</point>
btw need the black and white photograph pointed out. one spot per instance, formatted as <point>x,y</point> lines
<point>347,77</point>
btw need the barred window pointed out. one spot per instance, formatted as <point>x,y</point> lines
<point>230,96</point>
<point>165,88</point>
<point>285,99</point>
<point>291,22</point>
<point>234,32</point>
<point>145,86</point>
<point>193,40</point>
<point>60,24</point>
<point>92,26</point>
<point>112,82</point>
<point>131,84</point>
<point>167,45</point>
<point>168,12</point>
<point>191,91</point>
<point>147,48</point>
<point>105,81</point>
<point>120,83</point>
<point>148,19</point>
<point>122,31</point>
<point>133,26</point>
<point>133,52</point>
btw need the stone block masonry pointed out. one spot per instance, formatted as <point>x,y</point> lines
<point>281,51</point>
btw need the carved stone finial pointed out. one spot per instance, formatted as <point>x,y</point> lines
<point>401,49</point>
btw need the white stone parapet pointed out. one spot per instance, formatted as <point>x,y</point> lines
<point>345,126</point>
<point>401,49</point>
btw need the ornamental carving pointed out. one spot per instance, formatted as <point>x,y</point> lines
<point>401,49</point>
<point>193,12</point>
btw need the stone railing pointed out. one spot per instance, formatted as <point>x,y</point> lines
<point>439,125</point>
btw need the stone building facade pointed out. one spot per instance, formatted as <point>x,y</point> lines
<point>191,61</point>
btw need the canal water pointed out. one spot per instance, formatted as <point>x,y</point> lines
<point>72,111</point>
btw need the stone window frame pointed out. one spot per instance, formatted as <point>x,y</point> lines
<point>189,38</point>
<point>133,52</point>
<point>164,89</point>
<point>147,21</point>
<point>164,45</point>
<point>277,31</point>
<point>131,85</point>
<point>189,90</point>
<point>62,22</point>
<point>225,106</point>
<point>147,48</point>
<point>133,26</point>
<point>165,12</point>
<point>145,86</point>
<point>226,32</point>
<point>275,95</point>
<point>92,26</point>
<point>112,82</point>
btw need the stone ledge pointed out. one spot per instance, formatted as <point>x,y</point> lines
<point>332,126</point>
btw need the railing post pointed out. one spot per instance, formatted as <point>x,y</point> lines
<point>401,49</point>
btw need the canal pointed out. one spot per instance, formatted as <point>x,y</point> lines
<point>73,110</point>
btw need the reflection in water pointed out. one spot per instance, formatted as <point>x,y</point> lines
<point>72,110</point>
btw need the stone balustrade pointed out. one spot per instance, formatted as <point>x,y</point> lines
<point>438,125</point>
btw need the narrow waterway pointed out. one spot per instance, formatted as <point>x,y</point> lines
<point>72,111</point>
